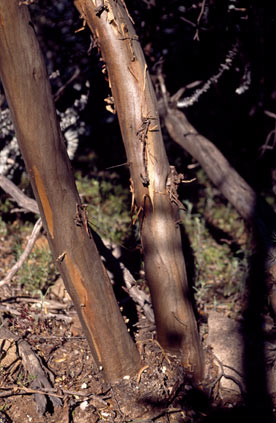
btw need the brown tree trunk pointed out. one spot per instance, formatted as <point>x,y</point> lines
<point>153,181</point>
<point>28,92</point>
<point>236,190</point>
<point>221,173</point>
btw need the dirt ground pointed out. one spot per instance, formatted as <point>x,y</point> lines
<point>50,329</point>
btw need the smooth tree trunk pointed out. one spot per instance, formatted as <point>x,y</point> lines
<point>23,74</point>
<point>153,181</point>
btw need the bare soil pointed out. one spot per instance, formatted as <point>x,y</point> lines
<point>161,392</point>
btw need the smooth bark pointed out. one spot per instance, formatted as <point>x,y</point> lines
<point>153,181</point>
<point>23,74</point>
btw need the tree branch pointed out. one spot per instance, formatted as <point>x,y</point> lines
<point>25,254</point>
<point>22,200</point>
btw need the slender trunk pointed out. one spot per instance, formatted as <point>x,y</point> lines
<point>23,74</point>
<point>153,181</point>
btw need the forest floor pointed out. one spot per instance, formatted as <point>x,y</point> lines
<point>43,350</point>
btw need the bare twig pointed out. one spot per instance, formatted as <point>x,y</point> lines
<point>22,200</point>
<point>24,255</point>
<point>163,88</point>
<point>196,37</point>
<point>61,90</point>
<point>227,376</point>
<point>38,303</point>
<point>270,140</point>
<point>140,373</point>
<point>8,309</point>
<point>138,296</point>
<point>188,21</point>
<point>23,390</point>
<point>270,114</point>
<point>43,316</point>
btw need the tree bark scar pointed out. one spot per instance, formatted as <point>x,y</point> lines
<point>37,73</point>
<point>100,9</point>
<point>78,284</point>
<point>44,201</point>
<point>80,219</point>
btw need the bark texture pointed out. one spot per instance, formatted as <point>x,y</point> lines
<point>28,92</point>
<point>153,181</point>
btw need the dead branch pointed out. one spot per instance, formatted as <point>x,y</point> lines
<point>43,377</point>
<point>61,90</point>
<point>42,316</point>
<point>22,200</point>
<point>25,254</point>
<point>11,390</point>
<point>38,303</point>
<point>226,376</point>
<point>236,190</point>
<point>138,296</point>
<point>196,36</point>
<point>34,367</point>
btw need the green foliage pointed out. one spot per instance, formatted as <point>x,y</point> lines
<point>24,379</point>
<point>107,207</point>
<point>108,214</point>
<point>38,272</point>
<point>5,206</point>
<point>220,260</point>
<point>3,228</point>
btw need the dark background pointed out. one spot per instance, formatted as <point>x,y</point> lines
<point>237,124</point>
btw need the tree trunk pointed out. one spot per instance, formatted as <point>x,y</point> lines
<point>153,181</point>
<point>236,190</point>
<point>28,92</point>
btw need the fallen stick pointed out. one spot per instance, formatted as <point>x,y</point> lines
<point>41,316</point>
<point>25,254</point>
<point>33,365</point>
<point>22,200</point>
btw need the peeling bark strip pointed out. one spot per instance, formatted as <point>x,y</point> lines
<point>83,295</point>
<point>23,74</point>
<point>157,209</point>
<point>44,201</point>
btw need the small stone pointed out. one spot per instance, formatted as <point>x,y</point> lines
<point>164,368</point>
<point>84,405</point>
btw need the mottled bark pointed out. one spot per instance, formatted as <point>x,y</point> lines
<point>23,74</point>
<point>153,181</point>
